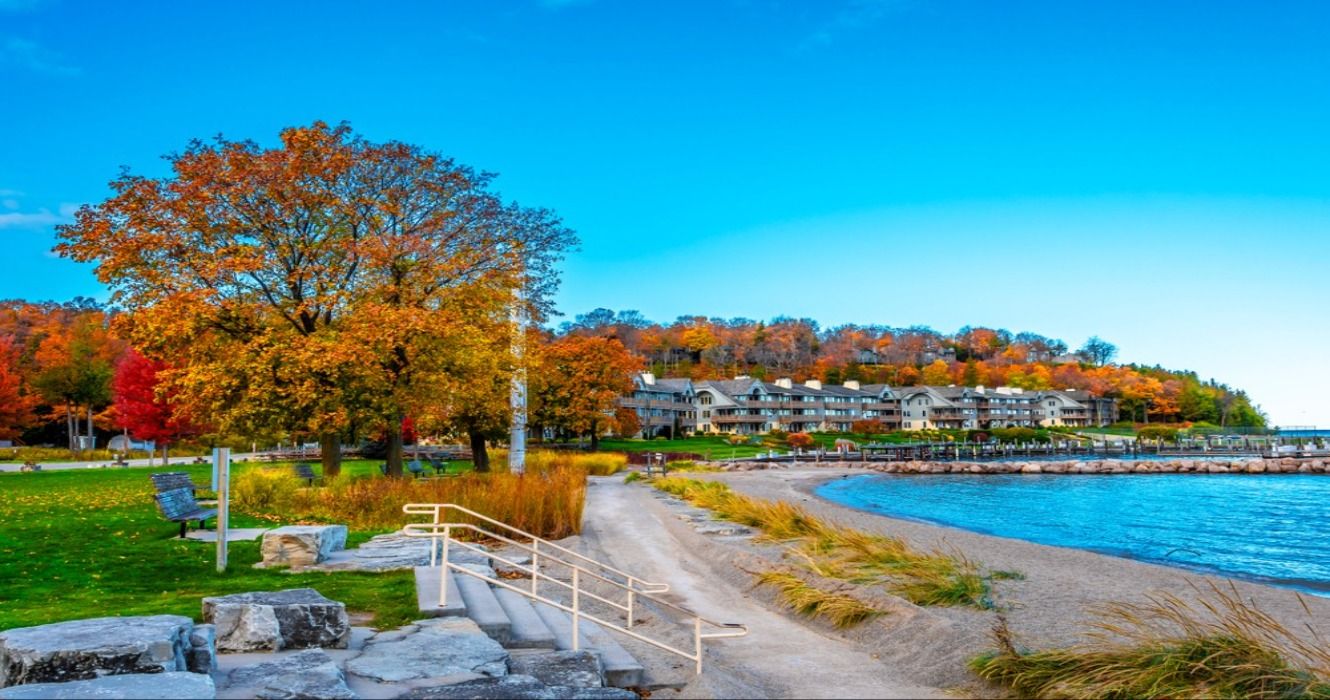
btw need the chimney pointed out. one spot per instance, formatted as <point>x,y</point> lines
<point>785,383</point>
<point>813,384</point>
<point>979,388</point>
<point>851,384</point>
<point>648,378</point>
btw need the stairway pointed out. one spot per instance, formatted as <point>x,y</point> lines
<point>517,622</point>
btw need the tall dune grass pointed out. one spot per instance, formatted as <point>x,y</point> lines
<point>1218,647</point>
<point>547,503</point>
<point>834,551</point>
<point>840,609</point>
<point>540,461</point>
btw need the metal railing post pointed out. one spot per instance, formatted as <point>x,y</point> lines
<point>434,541</point>
<point>697,642</point>
<point>535,564</point>
<point>577,610</point>
<point>631,593</point>
<point>443,569</point>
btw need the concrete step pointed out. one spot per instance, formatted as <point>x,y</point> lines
<point>427,593</point>
<point>483,608</point>
<point>620,668</point>
<point>528,630</point>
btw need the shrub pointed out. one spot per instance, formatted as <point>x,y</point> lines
<point>1219,647</point>
<point>800,440</point>
<point>631,477</point>
<point>263,490</point>
<point>736,439</point>
<point>1157,432</point>
<point>869,427</point>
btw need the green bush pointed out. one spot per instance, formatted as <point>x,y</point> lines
<point>1157,432</point>
<point>263,490</point>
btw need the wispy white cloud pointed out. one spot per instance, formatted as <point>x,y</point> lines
<point>42,218</point>
<point>30,55</point>
<point>852,15</point>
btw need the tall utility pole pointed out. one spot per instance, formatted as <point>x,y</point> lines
<point>517,399</point>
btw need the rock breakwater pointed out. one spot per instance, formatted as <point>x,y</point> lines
<point>1255,465</point>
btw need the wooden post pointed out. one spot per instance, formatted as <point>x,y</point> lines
<point>221,464</point>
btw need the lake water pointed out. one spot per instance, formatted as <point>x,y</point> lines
<point>1273,529</point>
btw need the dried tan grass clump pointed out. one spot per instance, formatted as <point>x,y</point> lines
<point>839,609</point>
<point>1220,646</point>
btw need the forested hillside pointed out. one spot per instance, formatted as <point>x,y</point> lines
<point>713,348</point>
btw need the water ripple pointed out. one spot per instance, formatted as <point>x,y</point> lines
<point>1264,528</point>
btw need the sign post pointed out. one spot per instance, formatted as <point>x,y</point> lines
<point>221,469</point>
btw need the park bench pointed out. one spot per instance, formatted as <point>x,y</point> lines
<point>170,481</point>
<point>440,467</point>
<point>179,506</point>
<point>416,468</point>
<point>306,472</point>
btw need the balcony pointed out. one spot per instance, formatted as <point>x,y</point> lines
<point>741,419</point>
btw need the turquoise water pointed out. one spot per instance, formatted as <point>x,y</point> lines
<point>1272,529</point>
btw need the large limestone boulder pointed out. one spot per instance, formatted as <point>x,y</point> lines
<point>298,618</point>
<point>516,688</point>
<point>437,648</point>
<point>132,686</point>
<point>309,674</point>
<point>300,546</point>
<point>573,669</point>
<point>202,656</point>
<point>85,649</point>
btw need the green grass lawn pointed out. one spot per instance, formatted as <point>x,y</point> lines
<point>90,543</point>
<point>709,446</point>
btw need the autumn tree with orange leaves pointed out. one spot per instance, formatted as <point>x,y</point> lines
<point>578,385</point>
<point>316,285</point>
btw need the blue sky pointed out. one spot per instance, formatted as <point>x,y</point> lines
<point>1154,173</point>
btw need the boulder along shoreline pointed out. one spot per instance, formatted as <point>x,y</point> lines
<point>1182,465</point>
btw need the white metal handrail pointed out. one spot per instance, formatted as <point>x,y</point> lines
<point>436,511</point>
<point>443,531</point>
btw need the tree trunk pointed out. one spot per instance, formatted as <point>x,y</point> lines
<point>480,456</point>
<point>92,436</point>
<point>330,446</point>
<point>69,427</point>
<point>394,456</point>
<point>595,436</point>
<point>166,457</point>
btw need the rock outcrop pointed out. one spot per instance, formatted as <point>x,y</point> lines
<point>301,546</point>
<point>298,618</point>
<point>311,674</point>
<point>441,647</point>
<point>86,649</point>
<point>516,688</point>
<point>175,685</point>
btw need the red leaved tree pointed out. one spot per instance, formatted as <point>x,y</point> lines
<point>16,404</point>
<point>143,410</point>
